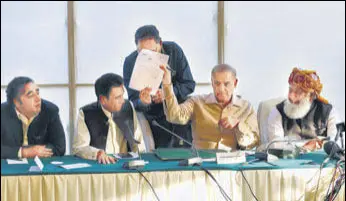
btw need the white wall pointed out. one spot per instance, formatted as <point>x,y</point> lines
<point>105,34</point>
<point>265,40</point>
<point>34,44</point>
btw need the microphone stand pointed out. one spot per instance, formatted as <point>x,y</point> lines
<point>134,164</point>
<point>195,160</point>
<point>186,162</point>
<point>280,140</point>
<point>289,141</point>
<point>264,156</point>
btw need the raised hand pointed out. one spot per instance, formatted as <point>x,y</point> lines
<point>144,95</point>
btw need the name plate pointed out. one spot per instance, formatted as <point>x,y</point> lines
<point>230,157</point>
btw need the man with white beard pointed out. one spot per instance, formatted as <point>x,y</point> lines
<point>304,114</point>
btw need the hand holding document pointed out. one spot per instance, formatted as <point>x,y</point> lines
<point>147,72</point>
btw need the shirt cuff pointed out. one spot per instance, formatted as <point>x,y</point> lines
<point>20,152</point>
<point>93,153</point>
<point>168,91</point>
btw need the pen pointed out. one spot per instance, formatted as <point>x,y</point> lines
<point>170,69</point>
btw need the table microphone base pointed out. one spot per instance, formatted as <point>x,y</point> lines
<point>191,161</point>
<point>135,164</point>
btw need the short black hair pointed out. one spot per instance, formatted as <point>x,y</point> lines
<point>15,86</point>
<point>147,31</point>
<point>104,84</point>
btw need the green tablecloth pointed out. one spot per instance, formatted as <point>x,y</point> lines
<point>155,164</point>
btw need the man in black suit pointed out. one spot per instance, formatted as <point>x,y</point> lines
<point>148,37</point>
<point>30,126</point>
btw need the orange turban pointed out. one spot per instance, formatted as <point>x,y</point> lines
<point>308,81</point>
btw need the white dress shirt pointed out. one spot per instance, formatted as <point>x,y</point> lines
<point>25,124</point>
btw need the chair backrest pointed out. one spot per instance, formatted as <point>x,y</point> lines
<point>147,133</point>
<point>264,109</point>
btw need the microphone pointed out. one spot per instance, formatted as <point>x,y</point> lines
<point>134,164</point>
<point>282,153</point>
<point>187,162</point>
<point>334,151</point>
<point>340,127</point>
<point>285,153</point>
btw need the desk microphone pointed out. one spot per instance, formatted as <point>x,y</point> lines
<point>289,141</point>
<point>334,151</point>
<point>187,162</point>
<point>340,127</point>
<point>134,164</point>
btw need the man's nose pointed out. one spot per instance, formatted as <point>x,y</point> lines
<point>122,101</point>
<point>292,98</point>
<point>221,87</point>
<point>37,98</point>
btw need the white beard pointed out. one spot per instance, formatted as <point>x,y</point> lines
<point>297,111</point>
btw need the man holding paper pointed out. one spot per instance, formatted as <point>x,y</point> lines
<point>220,120</point>
<point>108,126</point>
<point>147,38</point>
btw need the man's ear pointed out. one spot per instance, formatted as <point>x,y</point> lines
<point>102,99</point>
<point>235,82</point>
<point>313,96</point>
<point>17,102</point>
<point>159,46</point>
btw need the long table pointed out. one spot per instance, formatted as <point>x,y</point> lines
<point>289,180</point>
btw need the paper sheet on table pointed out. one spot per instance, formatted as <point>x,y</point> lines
<point>39,165</point>
<point>34,169</point>
<point>129,155</point>
<point>13,162</point>
<point>147,72</point>
<point>76,165</point>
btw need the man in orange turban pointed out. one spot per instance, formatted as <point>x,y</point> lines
<point>304,114</point>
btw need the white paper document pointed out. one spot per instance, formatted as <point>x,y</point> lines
<point>20,161</point>
<point>230,157</point>
<point>147,72</point>
<point>75,166</point>
<point>126,156</point>
<point>34,169</point>
<point>38,162</point>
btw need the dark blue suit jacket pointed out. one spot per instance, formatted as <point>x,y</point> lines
<point>182,80</point>
<point>45,129</point>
